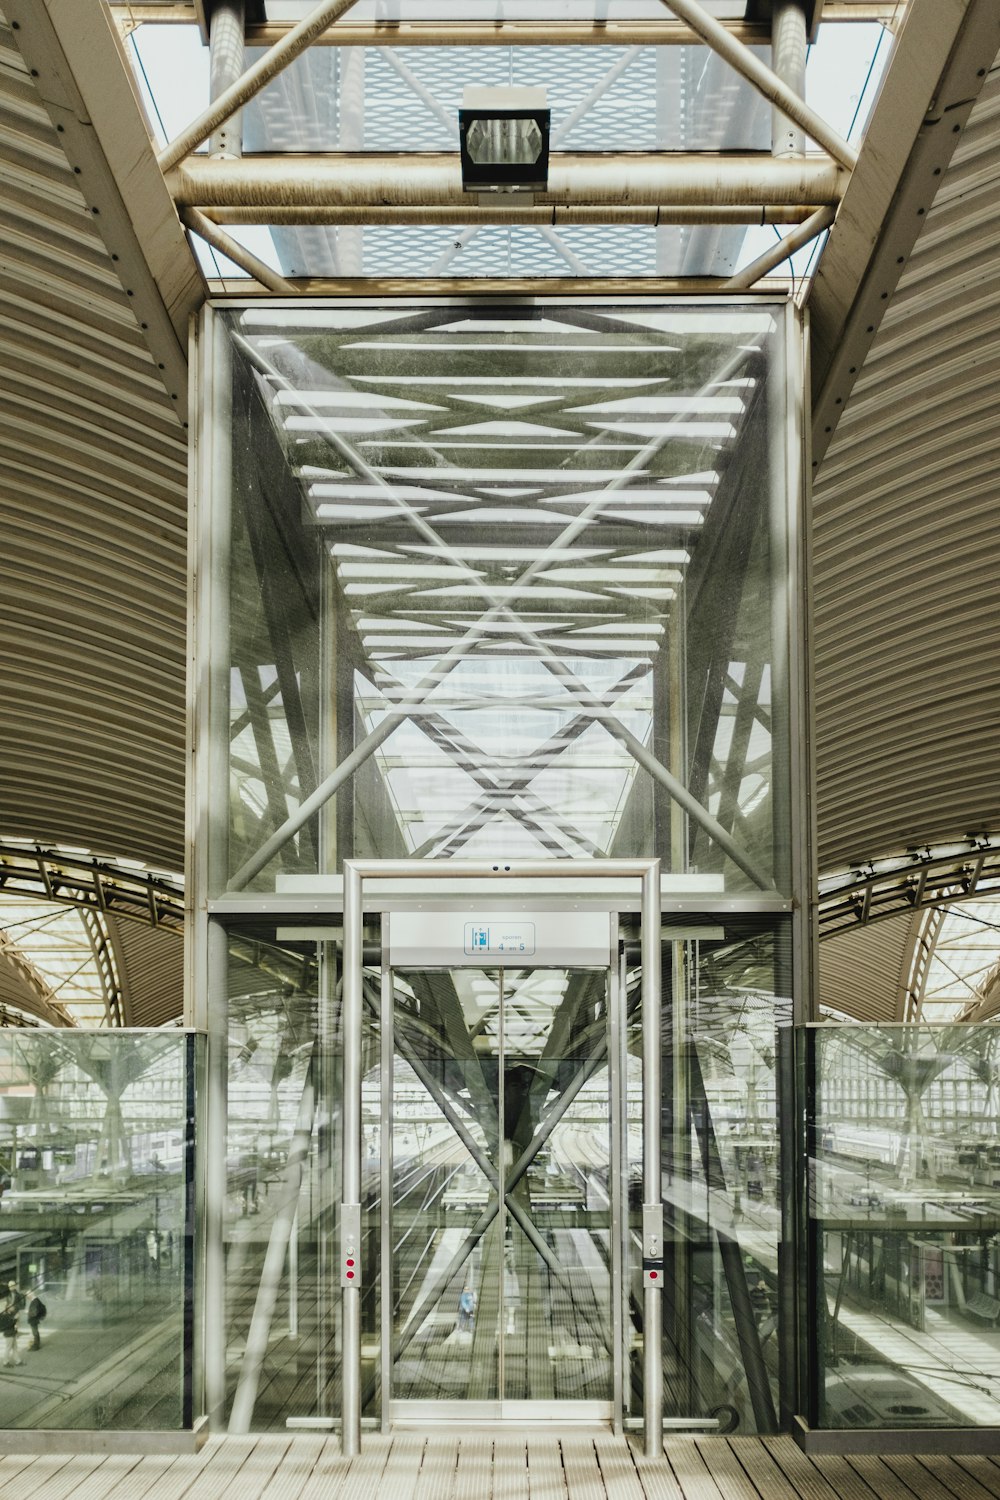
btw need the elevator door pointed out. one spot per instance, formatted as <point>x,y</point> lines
<point>502,1230</point>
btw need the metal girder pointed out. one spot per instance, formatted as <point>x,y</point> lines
<point>76,880</point>
<point>912,881</point>
<point>754,29</point>
<point>434,180</point>
<point>84,81</point>
<point>939,61</point>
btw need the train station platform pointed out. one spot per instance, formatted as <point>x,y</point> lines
<point>485,1466</point>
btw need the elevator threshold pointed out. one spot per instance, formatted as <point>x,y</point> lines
<point>501,1413</point>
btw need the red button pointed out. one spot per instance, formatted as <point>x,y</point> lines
<point>653,1275</point>
<point>350,1275</point>
<point>350,1262</point>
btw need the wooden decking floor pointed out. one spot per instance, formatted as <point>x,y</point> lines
<point>489,1466</point>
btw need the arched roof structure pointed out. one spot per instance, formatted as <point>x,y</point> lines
<point>98,282</point>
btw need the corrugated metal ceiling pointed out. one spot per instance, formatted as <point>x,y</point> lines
<point>92,476</point>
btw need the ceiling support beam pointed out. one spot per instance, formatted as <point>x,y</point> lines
<point>434,180</point>
<point>763,78</point>
<point>940,58</point>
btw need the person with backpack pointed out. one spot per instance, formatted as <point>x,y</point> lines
<point>36,1312</point>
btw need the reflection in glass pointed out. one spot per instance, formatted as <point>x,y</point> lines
<point>515,573</point>
<point>723,990</point>
<point>904,1213</point>
<point>96,1142</point>
<point>501,1155</point>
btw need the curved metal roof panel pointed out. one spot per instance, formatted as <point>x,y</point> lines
<point>907,591</point>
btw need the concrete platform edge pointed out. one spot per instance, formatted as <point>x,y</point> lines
<point>47,1440</point>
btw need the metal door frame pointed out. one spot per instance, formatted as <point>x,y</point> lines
<point>396,1413</point>
<point>356,872</point>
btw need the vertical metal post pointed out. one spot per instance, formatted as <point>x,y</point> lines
<point>387,1290</point>
<point>350,1428</point>
<point>789,44</point>
<point>226,53</point>
<point>212,1304</point>
<point>619,1174</point>
<point>293,1278</point>
<point>652,1187</point>
<point>206,980</point>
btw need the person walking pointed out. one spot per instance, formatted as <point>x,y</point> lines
<point>36,1312</point>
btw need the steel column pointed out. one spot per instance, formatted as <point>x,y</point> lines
<point>652,1187</point>
<point>350,1428</point>
<point>789,45</point>
<point>226,61</point>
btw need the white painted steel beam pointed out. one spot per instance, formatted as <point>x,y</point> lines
<point>434,180</point>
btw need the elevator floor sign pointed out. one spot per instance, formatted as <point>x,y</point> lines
<point>511,939</point>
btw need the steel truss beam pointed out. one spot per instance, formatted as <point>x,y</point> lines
<point>919,878</point>
<point>40,870</point>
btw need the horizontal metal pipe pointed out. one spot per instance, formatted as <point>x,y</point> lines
<point>648,33</point>
<point>485,286</point>
<point>430,180</point>
<point>763,78</point>
<point>560,214</point>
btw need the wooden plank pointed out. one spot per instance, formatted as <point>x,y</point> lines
<point>804,1474</point>
<point>846,1481</point>
<point>216,1477</point>
<point>655,1475</point>
<point>689,1466</point>
<point>583,1474</point>
<point>296,1466</point>
<point>399,1481</point>
<point>255,1473</point>
<point>53,1477</point>
<point>958,1481</point>
<point>364,1478</point>
<point>474,1469</point>
<point>186,1469</point>
<point>106,1477</point>
<point>510,1468</point>
<point>981,1469</point>
<point>546,1476</point>
<point>328,1475</point>
<point>879,1477</point>
<point>725,1467</point>
<point>908,1468</point>
<point>134,1484</point>
<point>437,1472</point>
<point>617,1469</point>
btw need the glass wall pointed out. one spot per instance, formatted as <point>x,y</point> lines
<point>96,1229</point>
<point>904,1214</point>
<point>281,1221</point>
<point>507,580</point>
<point>726,989</point>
